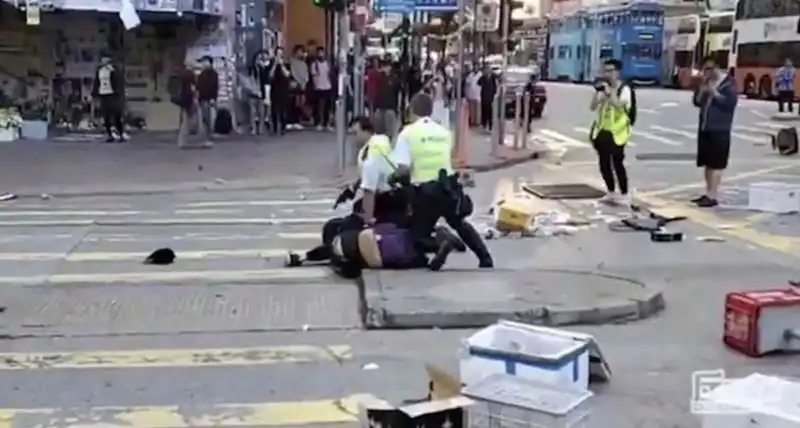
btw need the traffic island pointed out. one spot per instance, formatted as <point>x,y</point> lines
<point>471,298</point>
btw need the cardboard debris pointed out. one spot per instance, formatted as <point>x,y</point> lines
<point>444,406</point>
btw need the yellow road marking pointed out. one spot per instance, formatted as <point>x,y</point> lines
<point>695,185</point>
<point>141,358</point>
<point>331,411</point>
<point>306,273</point>
<point>740,230</point>
<point>103,256</point>
<point>269,203</point>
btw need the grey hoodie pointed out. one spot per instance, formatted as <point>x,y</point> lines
<point>299,70</point>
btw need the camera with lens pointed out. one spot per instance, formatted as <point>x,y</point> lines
<point>600,84</point>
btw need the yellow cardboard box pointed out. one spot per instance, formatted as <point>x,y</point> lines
<point>514,215</point>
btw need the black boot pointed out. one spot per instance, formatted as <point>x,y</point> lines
<point>473,240</point>
<point>447,244</point>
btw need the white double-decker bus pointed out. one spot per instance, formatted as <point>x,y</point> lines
<point>765,33</point>
<point>694,36</point>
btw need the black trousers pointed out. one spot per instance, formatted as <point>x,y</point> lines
<point>390,207</point>
<point>487,116</point>
<point>611,160</point>
<point>434,200</point>
<point>323,107</point>
<point>111,110</point>
<point>279,107</point>
<point>786,97</point>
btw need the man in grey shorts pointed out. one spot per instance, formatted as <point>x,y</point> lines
<point>384,115</point>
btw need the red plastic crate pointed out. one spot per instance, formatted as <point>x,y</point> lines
<point>743,311</point>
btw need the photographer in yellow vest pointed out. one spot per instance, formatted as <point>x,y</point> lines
<point>422,155</point>
<point>615,104</point>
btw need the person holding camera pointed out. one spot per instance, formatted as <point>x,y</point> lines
<point>716,99</point>
<point>614,102</point>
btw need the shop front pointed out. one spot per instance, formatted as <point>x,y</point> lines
<point>47,70</point>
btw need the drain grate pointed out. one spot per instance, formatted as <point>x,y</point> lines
<point>563,191</point>
<point>666,156</point>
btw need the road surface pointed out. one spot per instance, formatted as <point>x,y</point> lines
<point>226,337</point>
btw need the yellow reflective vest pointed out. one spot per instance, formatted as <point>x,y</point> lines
<point>614,120</point>
<point>378,145</point>
<point>431,146</point>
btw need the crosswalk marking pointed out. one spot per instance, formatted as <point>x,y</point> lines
<point>559,139</point>
<point>167,221</point>
<point>110,256</point>
<point>267,203</point>
<point>747,137</point>
<point>276,414</point>
<point>680,132</point>
<point>654,137</point>
<point>281,275</point>
<point>143,358</point>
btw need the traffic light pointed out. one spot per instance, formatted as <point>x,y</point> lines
<point>332,5</point>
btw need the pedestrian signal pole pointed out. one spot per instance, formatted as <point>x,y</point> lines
<point>342,47</point>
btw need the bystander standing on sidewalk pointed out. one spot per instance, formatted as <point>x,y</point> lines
<point>298,68</point>
<point>186,100</point>
<point>784,81</point>
<point>280,79</point>
<point>207,93</point>
<point>716,98</point>
<point>387,98</point>
<point>322,75</point>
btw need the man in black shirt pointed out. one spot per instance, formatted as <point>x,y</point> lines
<point>488,84</point>
<point>386,99</point>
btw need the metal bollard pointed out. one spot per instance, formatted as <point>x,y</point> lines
<point>497,137</point>
<point>526,114</point>
<point>341,135</point>
<point>517,118</point>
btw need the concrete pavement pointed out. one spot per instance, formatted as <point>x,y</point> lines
<point>118,355</point>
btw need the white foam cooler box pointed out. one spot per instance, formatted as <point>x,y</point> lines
<point>756,401</point>
<point>505,401</point>
<point>560,358</point>
<point>774,197</point>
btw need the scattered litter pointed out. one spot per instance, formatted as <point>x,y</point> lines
<point>306,327</point>
<point>710,239</point>
<point>726,226</point>
<point>220,180</point>
<point>44,196</point>
<point>7,197</point>
<point>370,366</point>
<point>302,196</point>
<point>199,167</point>
<point>664,235</point>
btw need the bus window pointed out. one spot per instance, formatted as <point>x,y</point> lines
<point>562,51</point>
<point>657,51</point>
<point>606,52</point>
<point>550,53</point>
<point>740,8</point>
<point>767,54</point>
<point>578,52</point>
<point>734,41</point>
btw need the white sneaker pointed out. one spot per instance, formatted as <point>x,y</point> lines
<point>624,200</point>
<point>320,128</point>
<point>610,198</point>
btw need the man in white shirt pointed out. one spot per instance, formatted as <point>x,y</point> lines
<point>473,95</point>
<point>376,203</point>
<point>321,73</point>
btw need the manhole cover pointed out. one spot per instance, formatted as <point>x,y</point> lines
<point>563,191</point>
<point>666,156</point>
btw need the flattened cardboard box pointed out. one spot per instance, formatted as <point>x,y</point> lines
<point>444,407</point>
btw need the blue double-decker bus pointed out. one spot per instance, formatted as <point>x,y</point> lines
<point>567,36</point>
<point>632,33</point>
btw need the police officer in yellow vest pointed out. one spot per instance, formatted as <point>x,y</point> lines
<point>378,202</point>
<point>611,130</point>
<point>423,151</point>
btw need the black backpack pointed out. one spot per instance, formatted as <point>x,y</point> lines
<point>632,109</point>
<point>223,125</point>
